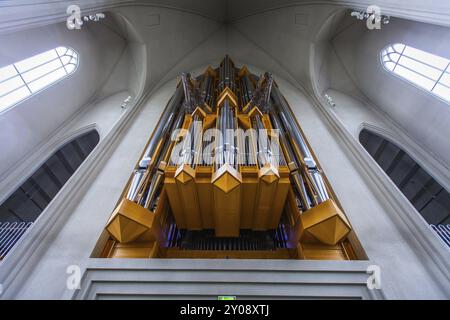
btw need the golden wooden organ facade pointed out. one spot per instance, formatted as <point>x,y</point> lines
<point>228,173</point>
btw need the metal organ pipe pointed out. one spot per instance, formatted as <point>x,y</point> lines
<point>291,157</point>
<point>163,156</point>
<point>226,150</point>
<point>207,90</point>
<point>161,134</point>
<point>192,143</point>
<point>165,124</point>
<point>263,152</point>
<point>247,89</point>
<point>227,75</point>
<point>287,118</point>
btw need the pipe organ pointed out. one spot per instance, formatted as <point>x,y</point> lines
<point>228,173</point>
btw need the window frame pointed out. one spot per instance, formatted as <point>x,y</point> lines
<point>26,84</point>
<point>382,54</point>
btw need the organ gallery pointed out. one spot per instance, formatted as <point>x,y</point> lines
<point>228,173</point>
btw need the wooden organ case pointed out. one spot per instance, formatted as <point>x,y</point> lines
<point>228,173</point>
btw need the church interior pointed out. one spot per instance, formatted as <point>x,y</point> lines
<point>173,149</point>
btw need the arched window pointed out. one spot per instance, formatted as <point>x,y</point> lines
<point>25,205</point>
<point>430,199</point>
<point>427,71</point>
<point>22,79</point>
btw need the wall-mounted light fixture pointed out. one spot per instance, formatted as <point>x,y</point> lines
<point>330,100</point>
<point>124,105</point>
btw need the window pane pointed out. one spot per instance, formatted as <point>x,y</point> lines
<point>61,51</point>
<point>389,65</point>
<point>42,70</point>
<point>7,72</point>
<point>65,59</point>
<point>47,80</point>
<point>35,61</point>
<point>426,57</point>
<point>420,68</point>
<point>414,77</point>
<point>70,68</point>
<point>10,85</point>
<point>398,47</point>
<point>394,57</point>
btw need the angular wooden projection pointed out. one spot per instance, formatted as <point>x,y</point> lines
<point>129,221</point>
<point>325,222</point>
<point>227,201</point>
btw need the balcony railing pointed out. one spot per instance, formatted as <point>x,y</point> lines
<point>10,233</point>
<point>443,231</point>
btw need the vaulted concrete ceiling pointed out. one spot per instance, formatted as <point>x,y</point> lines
<point>222,10</point>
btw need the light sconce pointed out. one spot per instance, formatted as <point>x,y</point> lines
<point>124,105</point>
<point>330,100</point>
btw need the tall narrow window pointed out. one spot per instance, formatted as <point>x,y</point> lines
<point>430,199</point>
<point>427,71</point>
<point>25,205</point>
<point>22,79</point>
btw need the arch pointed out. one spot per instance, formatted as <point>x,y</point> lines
<point>24,206</point>
<point>429,197</point>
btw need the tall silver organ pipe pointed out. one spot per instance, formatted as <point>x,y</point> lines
<point>227,75</point>
<point>162,130</point>
<point>247,89</point>
<point>190,98</point>
<point>151,194</point>
<point>161,133</point>
<point>208,90</point>
<point>291,157</point>
<point>226,151</point>
<point>264,155</point>
<point>135,183</point>
<point>192,143</point>
<point>287,119</point>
